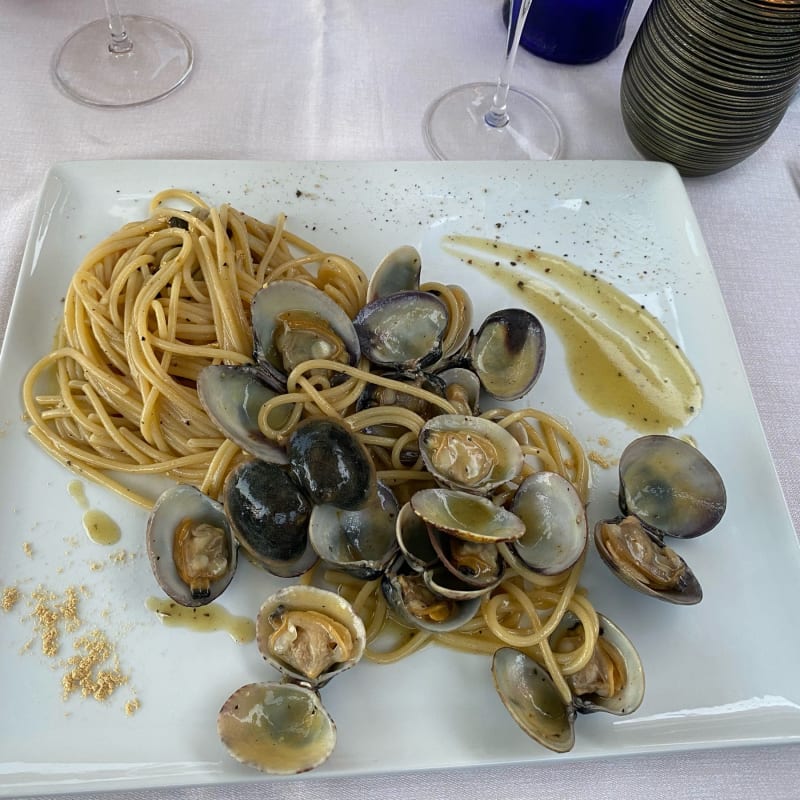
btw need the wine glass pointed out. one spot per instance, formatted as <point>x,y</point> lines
<point>473,121</point>
<point>123,61</point>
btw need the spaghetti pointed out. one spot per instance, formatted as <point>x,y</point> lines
<point>160,299</point>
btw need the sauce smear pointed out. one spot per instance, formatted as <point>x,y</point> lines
<point>622,361</point>
<point>204,618</point>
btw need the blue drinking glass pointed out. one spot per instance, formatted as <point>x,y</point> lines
<point>573,31</point>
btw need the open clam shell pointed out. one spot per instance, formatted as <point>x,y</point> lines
<point>641,560</point>
<point>232,396</point>
<point>629,693</point>
<point>417,604</point>
<point>469,453</point>
<point>556,530</point>
<point>277,728</point>
<point>507,353</point>
<point>323,330</point>
<point>398,271</point>
<point>360,542</point>
<point>197,524</point>
<point>670,486</point>
<point>414,540</point>
<point>404,330</point>
<point>531,697</point>
<point>466,515</point>
<point>309,634</point>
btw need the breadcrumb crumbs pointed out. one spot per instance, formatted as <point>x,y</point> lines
<point>599,459</point>
<point>10,598</point>
<point>94,670</point>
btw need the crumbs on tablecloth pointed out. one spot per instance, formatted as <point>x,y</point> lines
<point>27,548</point>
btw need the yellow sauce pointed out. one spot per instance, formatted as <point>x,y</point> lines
<point>207,618</point>
<point>99,526</point>
<point>622,361</point>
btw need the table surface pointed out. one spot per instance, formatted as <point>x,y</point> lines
<point>349,80</point>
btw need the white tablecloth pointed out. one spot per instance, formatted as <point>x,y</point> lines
<point>348,79</point>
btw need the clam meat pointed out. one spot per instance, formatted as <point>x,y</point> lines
<point>190,546</point>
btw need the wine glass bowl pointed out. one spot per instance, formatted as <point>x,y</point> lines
<point>478,121</point>
<point>123,60</point>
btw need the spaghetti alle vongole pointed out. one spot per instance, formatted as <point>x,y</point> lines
<point>162,299</point>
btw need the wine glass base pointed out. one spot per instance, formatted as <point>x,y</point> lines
<point>158,63</point>
<point>455,129</point>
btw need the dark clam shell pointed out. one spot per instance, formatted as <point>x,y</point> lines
<point>269,516</point>
<point>403,330</point>
<point>330,463</point>
<point>670,486</point>
<point>507,353</point>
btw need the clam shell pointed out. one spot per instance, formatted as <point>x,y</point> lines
<point>359,542</point>
<point>556,530</point>
<point>282,296</point>
<point>403,330</point>
<point>268,514</point>
<point>277,728</point>
<point>469,453</point>
<point>508,352</point>
<point>687,589</point>
<point>176,504</point>
<point>331,464</point>
<point>466,515</point>
<point>670,486</point>
<point>530,696</point>
<point>232,396</point>
<point>299,597</point>
<point>398,271</point>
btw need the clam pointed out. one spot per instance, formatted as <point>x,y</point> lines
<point>532,699</point>
<point>612,681</point>
<point>469,453</point>
<point>556,531</point>
<point>462,389</point>
<point>330,463</point>
<point>278,728</point>
<point>268,514</point>
<point>360,542</point>
<point>232,396</point>
<point>416,604</point>
<point>476,565</point>
<point>670,486</point>
<point>403,330</point>
<point>398,271</point>
<point>309,634</point>
<point>641,560</point>
<point>190,546</point>
<point>467,516</point>
<point>413,539</point>
<point>507,353</point>
<point>294,322</point>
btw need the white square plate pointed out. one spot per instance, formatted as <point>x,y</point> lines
<point>718,674</point>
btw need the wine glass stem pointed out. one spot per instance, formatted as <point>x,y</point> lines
<point>120,41</point>
<point>497,115</point>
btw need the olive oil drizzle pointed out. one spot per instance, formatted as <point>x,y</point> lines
<point>99,526</point>
<point>208,618</point>
<point>622,361</point>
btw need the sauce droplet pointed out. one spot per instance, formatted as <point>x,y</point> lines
<point>99,526</point>
<point>211,617</point>
<point>622,360</point>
